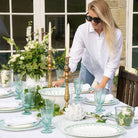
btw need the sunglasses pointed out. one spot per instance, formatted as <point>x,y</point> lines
<point>95,19</point>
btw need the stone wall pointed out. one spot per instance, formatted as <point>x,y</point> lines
<point>118,8</point>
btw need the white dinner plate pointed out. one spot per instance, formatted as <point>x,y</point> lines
<point>97,130</point>
<point>19,107</point>
<point>20,127</point>
<point>6,95</point>
<point>111,102</point>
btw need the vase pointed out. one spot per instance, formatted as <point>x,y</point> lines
<point>6,78</point>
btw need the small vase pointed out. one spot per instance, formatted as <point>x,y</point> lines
<point>6,78</point>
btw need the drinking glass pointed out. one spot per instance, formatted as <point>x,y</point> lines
<point>19,86</point>
<point>18,77</point>
<point>26,99</point>
<point>59,74</point>
<point>78,83</point>
<point>32,90</point>
<point>47,115</point>
<point>125,116</point>
<point>99,98</point>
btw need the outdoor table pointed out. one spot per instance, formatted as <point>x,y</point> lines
<point>59,122</point>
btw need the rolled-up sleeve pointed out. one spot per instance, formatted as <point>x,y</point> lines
<point>113,61</point>
<point>76,51</point>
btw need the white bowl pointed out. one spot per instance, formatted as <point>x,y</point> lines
<point>57,94</point>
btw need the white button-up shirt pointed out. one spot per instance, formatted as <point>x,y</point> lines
<point>93,50</point>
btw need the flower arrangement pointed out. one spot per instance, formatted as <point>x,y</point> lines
<point>33,61</point>
<point>125,115</point>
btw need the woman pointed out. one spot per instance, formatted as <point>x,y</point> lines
<point>99,43</point>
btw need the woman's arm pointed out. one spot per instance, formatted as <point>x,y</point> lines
<point>103,83</point>
<point>60,82</point>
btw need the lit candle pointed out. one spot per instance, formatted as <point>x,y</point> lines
<point>68,40</point>
<point>49,35</point>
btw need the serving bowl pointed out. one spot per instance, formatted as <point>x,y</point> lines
<point>57,94</point>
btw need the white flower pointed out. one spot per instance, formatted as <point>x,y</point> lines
<point>125,112</point>
<point>121,122</point>
<point>26,48</point>
<point>13,60</point>
<point>17,55</point>
<point>22,58</point>
<point>32,46</point>
<point>28,31</point>
<point>133,70</point>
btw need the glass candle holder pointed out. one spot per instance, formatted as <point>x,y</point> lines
<point>125,116</point>
<point>6,78</point>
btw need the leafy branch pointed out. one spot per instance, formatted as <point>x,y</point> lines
<point>100,119</point>
<point>40,102</point>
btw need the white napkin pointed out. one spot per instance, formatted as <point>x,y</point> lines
<point>108,98</point>
<point>6,105</point>
<point>85,87</point>
<point>19,121</point>
<point>3,92</point>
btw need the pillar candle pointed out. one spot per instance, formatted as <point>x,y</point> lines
<point>49,35</point>
<point>68,40</point>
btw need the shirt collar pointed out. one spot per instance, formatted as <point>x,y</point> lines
<point>91,28</point>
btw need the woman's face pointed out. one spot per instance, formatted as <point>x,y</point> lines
<point>96,26</point>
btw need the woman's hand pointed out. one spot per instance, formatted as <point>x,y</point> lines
<point>58,83</point>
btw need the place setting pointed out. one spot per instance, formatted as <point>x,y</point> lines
<point>76,122</point>
<point>10,106</point>
<point>20,123</point>
<point>109,100</point>
<point>6,92</point>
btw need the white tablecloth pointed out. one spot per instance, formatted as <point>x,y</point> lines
<point>59,122</point>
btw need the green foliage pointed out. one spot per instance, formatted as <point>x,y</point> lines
<point>115,81</point>
<point>100,119</point>
<point>40,102</point>
<point>60,60</point>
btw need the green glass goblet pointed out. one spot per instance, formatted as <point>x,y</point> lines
<point>19,86</point>
<point>47,115</point>
<point>50,103</point>
<point>99,98</point>
<point>33,91</point>
<point>27,97</point>
<point>78,83</point>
